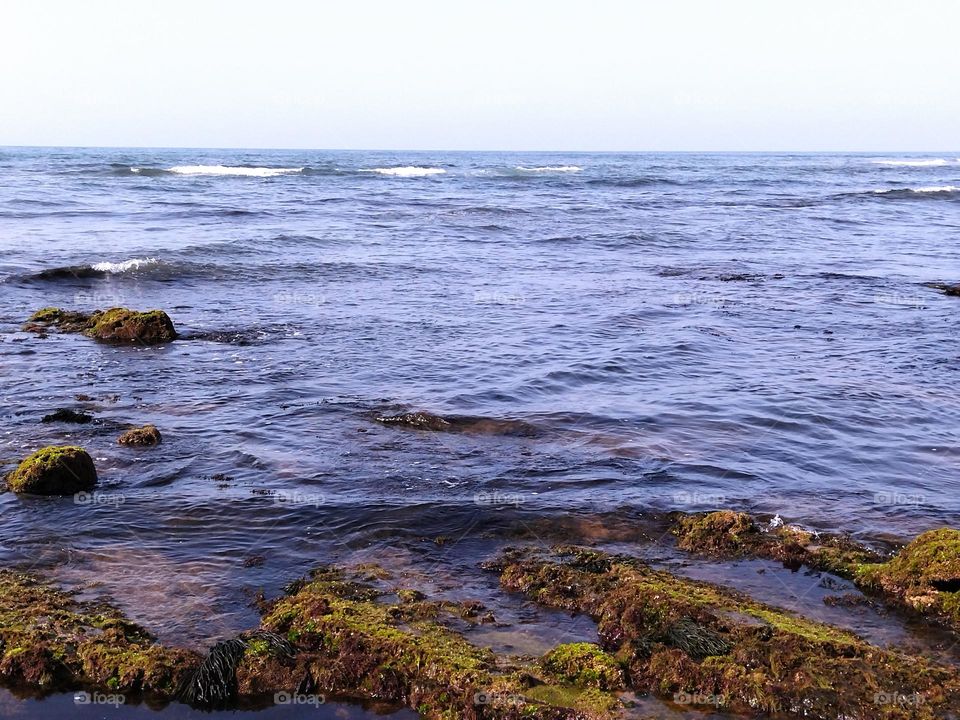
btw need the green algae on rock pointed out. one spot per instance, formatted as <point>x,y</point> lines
<point>49,641</point>
<point>680,636</point>
<point>346,642</point>
<point>54,470</point>
<point>923,576</point>
<point>725,533</point>
<point>141,436</point>
<point>119,325</point>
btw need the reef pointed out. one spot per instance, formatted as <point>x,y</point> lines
<point>50,642</point>
<point>141,436</point>
<point>924,577</point>
<point>54,470</point>
<point>459,424</point>
<point>117,325</point>
<point>686,639</point>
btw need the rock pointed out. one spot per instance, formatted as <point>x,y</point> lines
<point>54,470</point>
<point>952,290</point>
<point>120,325</point>
<point>467,424</point>
<point>141,436</point>
<point>68,416</point>
<point>924,576</point>
<point>129,326</point>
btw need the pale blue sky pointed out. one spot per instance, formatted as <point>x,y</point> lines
<point>417,74</point>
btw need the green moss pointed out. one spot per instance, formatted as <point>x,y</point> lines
<point>924,576</point>
<point>54,470</point>
<point>676,635</point>
<point>584,664</point>
<point>350,645</point>
<point>53,642</point>
<point>723,531</point>
<point>47,315</point>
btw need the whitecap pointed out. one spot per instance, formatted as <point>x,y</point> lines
<point>407,171</point>
<point>550,168</point>
<point>931,162</point>
<point>928,189</point>
<point>124,266</point>
<point>226,170</point>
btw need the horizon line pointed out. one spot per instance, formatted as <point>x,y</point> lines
<point>449,150</point>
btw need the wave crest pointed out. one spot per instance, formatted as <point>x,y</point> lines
<point>930,162</point>
<point>550,168</point>
<point>407,171</point>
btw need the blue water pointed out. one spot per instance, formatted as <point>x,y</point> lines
<point>683,331</point>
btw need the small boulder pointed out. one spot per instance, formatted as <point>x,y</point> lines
<point>54,470</point>
<point>129,326</point>
<point>141,436</point>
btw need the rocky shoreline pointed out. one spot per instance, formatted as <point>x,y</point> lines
<point>361,634</point>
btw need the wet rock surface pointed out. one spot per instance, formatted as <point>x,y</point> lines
<point>116,325</point>
<point>145,436</point>
<point>54,470</point>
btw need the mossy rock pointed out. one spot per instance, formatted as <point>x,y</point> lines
<point>676,635</point>
<point>51,642</point>
<point>129,326</point>
<point>141,437</point>
<point>119,325</point>
<point>54,470</point>
<point>583,664</point>
<point>924,576</point>
<point>720,532</point>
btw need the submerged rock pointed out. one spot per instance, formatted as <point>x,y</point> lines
<point>459,424</point>
<point>953,290</point>
<point>54,470</point>
<point>68,416</point>
<point>120,325</point>
<point>141,436</point>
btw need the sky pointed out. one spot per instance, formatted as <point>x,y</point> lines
<point>737,75</point>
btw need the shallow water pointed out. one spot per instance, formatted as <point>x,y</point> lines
<point>684,331</point>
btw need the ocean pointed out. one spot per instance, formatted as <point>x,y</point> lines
<point>678,331</point>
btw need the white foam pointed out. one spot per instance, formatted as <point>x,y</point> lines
<point>928,189</point>
<point>408,171</point>
<point>120,267</point>
<point>912,163</point>
<point>550,168</point>
<point>226,170</point>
